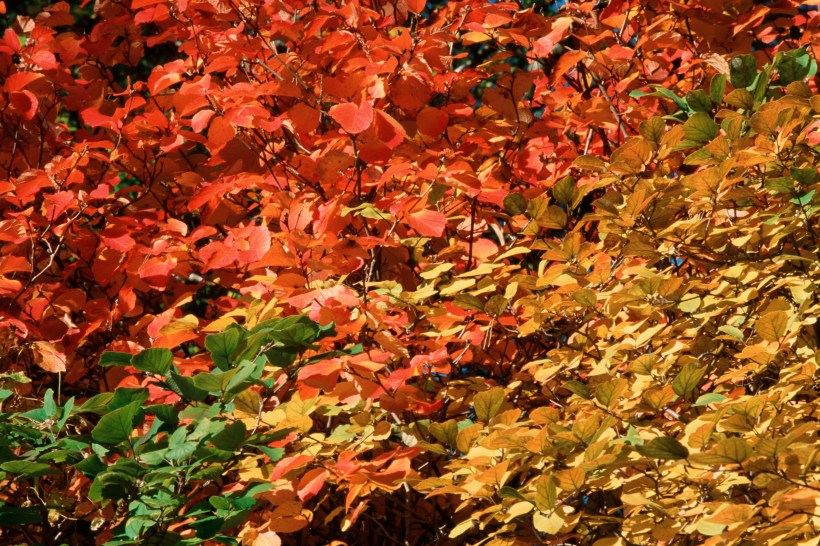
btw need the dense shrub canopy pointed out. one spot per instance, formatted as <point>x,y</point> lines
<point>371,272</point>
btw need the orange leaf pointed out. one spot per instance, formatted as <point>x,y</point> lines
<point>48,357</point>
<point>427,222</point>
<point>432,122</point>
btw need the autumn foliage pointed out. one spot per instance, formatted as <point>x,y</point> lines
<point>395,272</point>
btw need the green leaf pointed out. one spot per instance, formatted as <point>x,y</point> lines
<point>508,492</point>
<point>184,386</point>
<point>793,66</point>
<point>274,453</point>
<point>223,345</point>
<point>781,184</point>
<point>806,177</point>
<point>27,469</point>
<point>111,485</point>
<point>700,128</point>
<point>688,379</point>
<point>488,403</point>
<point>804,199</point>
<point>709,398</point>
<point>564,190</point>
<point>664,447</point>
<point>732,331</point>
<point>468,301</point>
<point>515,203</point>
<point>212,382</point>
<point>667,94</point>
<point>232,437</point>
<point>576,387</point>
<point>155,360</point>
<point>96,404</point>
<point>698,100</point>
<point>742,70</point>
<point>717,87</point>
<point>115,358</point>
<point>16,515</point>
<point>116,426</point>
<point>125,395</point>
<point>709,529</point>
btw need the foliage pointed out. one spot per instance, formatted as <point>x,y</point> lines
<point>465,272</point>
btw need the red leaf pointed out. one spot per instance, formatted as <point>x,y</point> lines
<point>353,119</point>
<point>311,483</point>
<point>201,119</point>
<point>157,270</point>
<point>25,103</point>
<point>389,131</point>
<point>427,222</point>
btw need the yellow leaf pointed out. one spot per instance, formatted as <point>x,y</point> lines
<point>548,524</point>
<point>457,286</point>
<point>468,435</point>
<point>772,326</point>
<point>488,403</point>
<point>571,479</point>
<point>546,493</point>
<point>461,528</point>
<point>436,271</point>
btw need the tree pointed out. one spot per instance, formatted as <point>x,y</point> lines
<point>371,271</point>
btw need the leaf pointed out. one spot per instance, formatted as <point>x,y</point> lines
<point>311,483</point>
<point>708,399</point>
<point>688,379</point>
<point>116,426</point>
<point>585,297</point>
<point>353,119</point>
<point>742,70</point>
<point>740,98</point>
<point>652,129</point>
<point>663,447</point>
<point>576,387</point>
<point>710,529</point>
<point>699,100</point>
<point>48,357</point>
<point>432,122</point>
<point>488,403</point>
<point>546,493</point>
<point>607,393</point>
<point>416,6</point>
<point>589,163</point>
<point>223,345</point>
<point>564,190</point>
<point>549,525</point>
<point>700,128</point>
<point>793,66</point>
<point>427,222</point>
<point>689,303</point>
<point>717,88</point>
<point>157,361</point>
<point>772,326</point>
<point>27,469</point>
<point>114,358</point>
<point>507,492</point>
<point>515,203</point>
